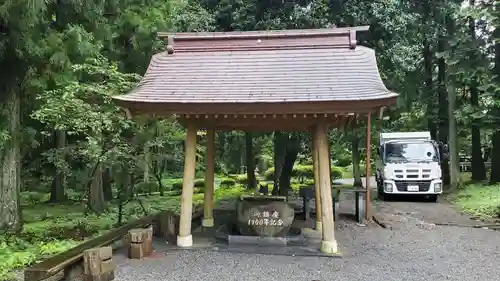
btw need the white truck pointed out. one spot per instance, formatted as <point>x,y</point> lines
<point>408,163</point>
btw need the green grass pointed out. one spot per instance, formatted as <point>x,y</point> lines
<point>480,201</point>
<point>53,228</point>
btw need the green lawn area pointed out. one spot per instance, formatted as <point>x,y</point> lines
<point>479,200</point>
<point>53,228</point>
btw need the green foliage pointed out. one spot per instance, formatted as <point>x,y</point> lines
<point>229,182</point>
<point>481,201</point>
<point>337,172</point>
<point>269,174</point>
<point>53,228</point>
<point>343,160</point>
<point>303,172</point>
<point>67,61</point>
<point>177,185</point>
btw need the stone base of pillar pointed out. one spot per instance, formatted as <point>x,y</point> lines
<point>319,226</point>
<point>208,222</point>
<point>186,241</point>
<point>329,247</point>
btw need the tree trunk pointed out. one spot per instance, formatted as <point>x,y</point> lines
<point>292,151</point>
<point>429,87</point>
<point>443,109</point>
<point>477,164</point>
<point>495,158</point>
<point>280,144</point>
<point>454,167</point>
<point>147,164</point>
<point>96,194</point>
<point>10,175</point>
<point>57,193</point>
<point>250,162</point>
<point>356,158</point>
<point>495,152</point>
<point>106,185</point>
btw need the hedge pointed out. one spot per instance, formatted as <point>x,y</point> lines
<point>200,184</point>
<point>303,172</point>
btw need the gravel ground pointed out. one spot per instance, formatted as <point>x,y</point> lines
<point>414,249</point>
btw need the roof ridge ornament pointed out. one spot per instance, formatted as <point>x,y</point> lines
<point>352,39</point>
<point>170,44</point>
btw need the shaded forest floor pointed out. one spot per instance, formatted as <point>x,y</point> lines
<point>50,228</point>
<point>479,200</point>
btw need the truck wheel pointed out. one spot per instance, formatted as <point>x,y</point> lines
<point>433,198</point>
<point>380,192</point>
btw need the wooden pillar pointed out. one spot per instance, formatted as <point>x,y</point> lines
<point>367,178</point>
<point>328,242</point>
<point>317,191</point>
<point>208,215</point>
<point>185,239</point>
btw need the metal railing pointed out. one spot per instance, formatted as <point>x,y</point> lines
<point>467,166</point>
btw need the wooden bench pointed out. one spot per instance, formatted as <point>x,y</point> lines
<point>68,264</point>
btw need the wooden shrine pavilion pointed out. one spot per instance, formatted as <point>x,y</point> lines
<point>288,80</point>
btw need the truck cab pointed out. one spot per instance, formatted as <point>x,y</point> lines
<point>408,163</point>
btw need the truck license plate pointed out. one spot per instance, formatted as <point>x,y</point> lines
<point>413,188</point>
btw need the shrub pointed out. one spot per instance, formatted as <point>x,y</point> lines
<point>343,160</point>
<point>146,187</point>
<point>336,172</point>
<point>269,174</point>
<point>303,172</point>
<point>33,197</point>
<point>227,182</point>
<point>176,184</point>
<point>197,183</point>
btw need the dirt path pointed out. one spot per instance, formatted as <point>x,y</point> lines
<point>426,212</point>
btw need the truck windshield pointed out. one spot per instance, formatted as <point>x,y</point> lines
<point>410,152</point>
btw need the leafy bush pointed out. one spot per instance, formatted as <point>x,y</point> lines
<point>269,174</point>
<point>241,178</point>
<point>197,183</point>
<point>227,182</point>
<point>146,187</point>
<point>343,160</point>
<point>336,172</point>
<point>33,197</point>
<point>304,172</point>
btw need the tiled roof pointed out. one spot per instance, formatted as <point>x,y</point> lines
<point>261,67</point>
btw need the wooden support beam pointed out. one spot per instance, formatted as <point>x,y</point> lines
<point>208,216</point>
<point>328,242</point>
<point>185,239</point>
<point>317,199</point>
<point>367,178</point>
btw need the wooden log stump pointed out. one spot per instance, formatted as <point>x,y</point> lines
<point>168,224</point>
<point>98,264</point>
<point>141,243</point>
<point>147,238</point>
